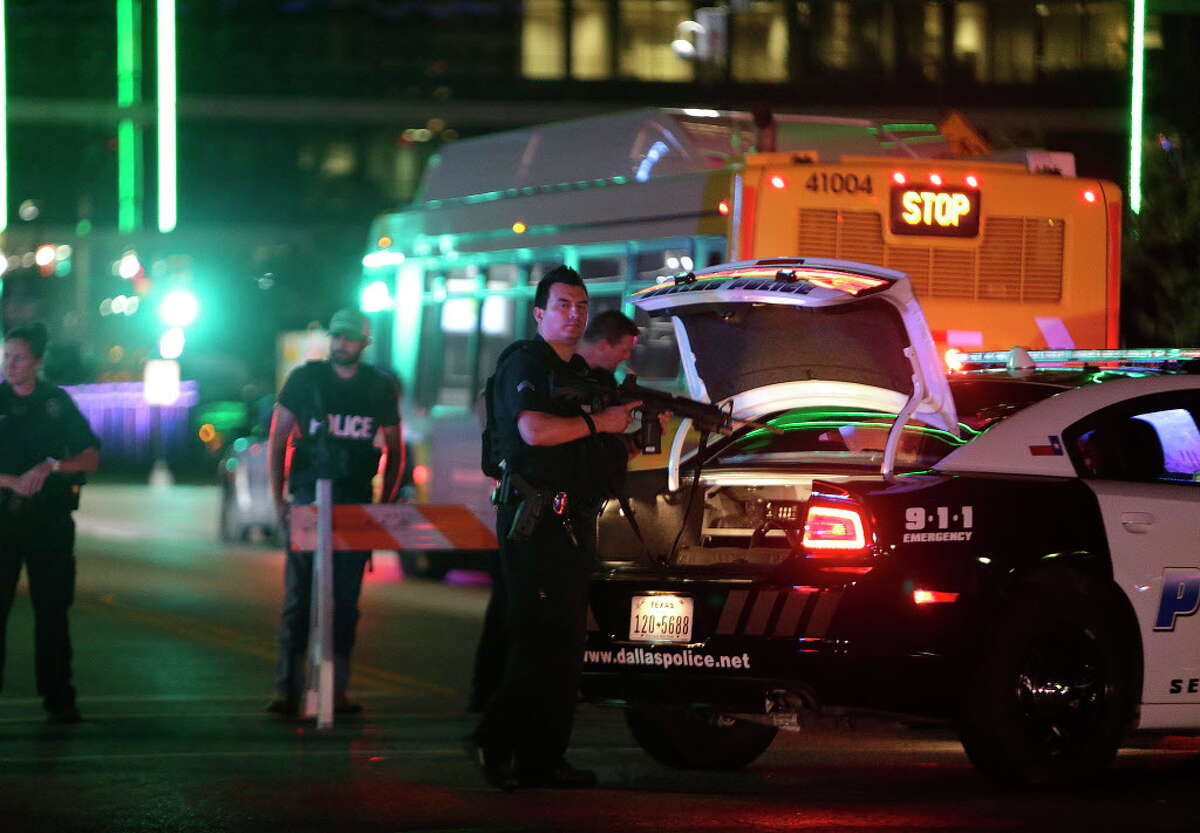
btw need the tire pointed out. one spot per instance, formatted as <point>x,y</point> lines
<point>1055,687</point>
<point>231,531</point>
<point>687,738</point>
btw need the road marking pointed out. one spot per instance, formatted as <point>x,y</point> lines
<point>205,632</point>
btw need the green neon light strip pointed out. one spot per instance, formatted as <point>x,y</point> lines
<point>3,120</point>
<point>945,436</point>
<point>167,148</point>
<point>128,166</point>
<point>128,53</point>
<point>910,127</point>
<point>1136,104</point>
<point>129,140</point>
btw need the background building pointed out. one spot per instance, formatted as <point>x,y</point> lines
<point>299,120</point>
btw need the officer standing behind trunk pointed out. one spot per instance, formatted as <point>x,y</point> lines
<point>46,446</point>
<point>549,499</point>
<point>608,341</point>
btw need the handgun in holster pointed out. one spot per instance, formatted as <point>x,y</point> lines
<point>530,510</point>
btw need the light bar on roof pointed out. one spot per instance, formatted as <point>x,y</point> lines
<point>1151,354</point>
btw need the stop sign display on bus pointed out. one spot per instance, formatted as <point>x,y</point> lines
<point>930,210</point>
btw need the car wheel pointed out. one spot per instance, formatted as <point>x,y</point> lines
<point>231,529</point>
<point>1055,687</point>
<point>688,738</point>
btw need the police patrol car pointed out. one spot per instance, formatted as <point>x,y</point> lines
<point>1016,550</point>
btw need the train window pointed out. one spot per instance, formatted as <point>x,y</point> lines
<point>459,324</point>
<point>499,316</point>
<point>660,264</point>
<point>602,268</point>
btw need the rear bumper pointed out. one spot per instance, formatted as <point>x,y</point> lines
<point>865,645</point>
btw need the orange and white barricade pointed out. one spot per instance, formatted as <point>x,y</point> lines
<point>397,526</point>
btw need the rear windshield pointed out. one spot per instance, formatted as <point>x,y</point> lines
<point>810,437</point>
<point>984,402</point>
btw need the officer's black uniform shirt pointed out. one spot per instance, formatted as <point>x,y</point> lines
<point>46,423</point>
<point>523,383</point>
<point>355,408</point>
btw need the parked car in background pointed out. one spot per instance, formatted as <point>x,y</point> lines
<point>246,504</point>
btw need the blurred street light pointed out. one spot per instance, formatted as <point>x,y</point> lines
<point>170,346</point>
<point>179,308</point>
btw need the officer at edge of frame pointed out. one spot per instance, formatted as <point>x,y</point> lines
<point>550,460</point>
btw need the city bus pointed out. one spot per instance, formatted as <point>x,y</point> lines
<point>999,255</point>
<point>1002,250</point>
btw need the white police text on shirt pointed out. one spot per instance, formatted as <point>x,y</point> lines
<point>347,426</point>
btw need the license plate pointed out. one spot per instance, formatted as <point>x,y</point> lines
<point>662,618</point>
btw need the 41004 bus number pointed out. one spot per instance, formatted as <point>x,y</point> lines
<point>839,183</point>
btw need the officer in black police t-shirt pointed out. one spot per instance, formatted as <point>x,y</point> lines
<point>351,401</point>
<point>46,446</point>
<point>549,456</point>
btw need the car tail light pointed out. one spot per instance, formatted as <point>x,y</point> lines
<point>836,530</point>
<point>931,597</point>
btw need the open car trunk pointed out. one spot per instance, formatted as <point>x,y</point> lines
<point>827,353</point>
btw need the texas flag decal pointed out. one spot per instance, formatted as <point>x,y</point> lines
<point>1054,449</point>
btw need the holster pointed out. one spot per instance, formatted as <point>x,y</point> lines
<point>525,521</point>
<point>532,506</point>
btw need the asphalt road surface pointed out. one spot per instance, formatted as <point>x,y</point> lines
<point>174,644</point>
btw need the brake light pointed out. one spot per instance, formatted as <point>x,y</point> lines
<point>929,597</point>
<point>831,531</point>
<point>850,284</point>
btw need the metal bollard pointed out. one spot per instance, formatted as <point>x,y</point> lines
<point>318,698</point>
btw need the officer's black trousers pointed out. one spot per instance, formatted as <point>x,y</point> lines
<point>348,566</point>
<point>45,546</point>
<point>546,584</point>
<point>492,651</point>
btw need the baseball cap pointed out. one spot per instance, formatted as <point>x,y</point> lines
<point>350,323</point>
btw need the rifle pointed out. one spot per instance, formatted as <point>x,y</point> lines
<point>597,396</point>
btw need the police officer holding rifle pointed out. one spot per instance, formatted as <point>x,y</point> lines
<point>549,496</point>
<point>608,341</point>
